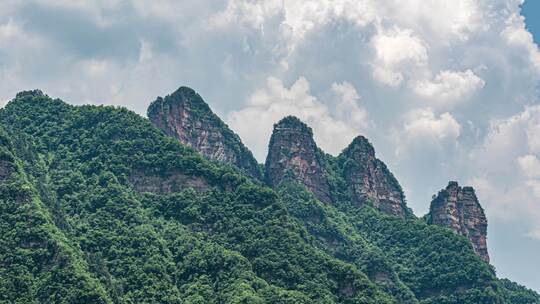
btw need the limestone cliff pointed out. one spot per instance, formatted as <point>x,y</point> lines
<point>292,152</point>
<point>458,209</point>
<point>368,179</point>
<point>184,115</point>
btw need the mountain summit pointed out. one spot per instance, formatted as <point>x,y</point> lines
<point>458,208</point>
<point>98,205</point>
<point>368,179</point>
<point>185,116</point>
<point>292,152</point>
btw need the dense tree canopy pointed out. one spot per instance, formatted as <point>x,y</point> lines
<point>88,214</point>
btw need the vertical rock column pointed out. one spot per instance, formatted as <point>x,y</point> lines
<point>185,116</point>
<point>368,179</point>
<point>292,152</point>
<point>458,208</point>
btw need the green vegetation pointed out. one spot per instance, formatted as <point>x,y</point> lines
<point>196,107</point>
<point>515,293</point>
<point>74,229</point>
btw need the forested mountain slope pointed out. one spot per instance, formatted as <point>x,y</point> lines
<point>99,206</point>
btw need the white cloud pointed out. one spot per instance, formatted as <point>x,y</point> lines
<point>517,36</point>
<point>535,187</point>
<point>397,51</point>
<point>387,76</point>
<point>8,31</point>
<point>535,234</point>
<point>510,167</point>
<point>449,86</point>
<point>145,53</point>
<point>529,165</point>
<point>249,55</point>
<point>507,139</point>
<point>398,46</point>
<point>346,106</point>
<point>284,24</point>
<point>451,20</point>
<point>424,132</point>
<point>533,129</point>
<point>333,130</point>
<point>300,16</point>
<point>251,14</point>
<point>423,123</point>
<point>94,67</point>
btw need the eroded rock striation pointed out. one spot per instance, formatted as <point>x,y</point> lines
<point>292,152</point>
<point>368,179</point>
<point>168,183</point>
<point>185,116</point>
<point>458,209</point>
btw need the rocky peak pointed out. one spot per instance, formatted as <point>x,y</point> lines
<point>458,208</point>
<point>185,116</point>
<point>368,179</point>
<point>362,147</point>
<point>30,93</point>
<point>292,152</point>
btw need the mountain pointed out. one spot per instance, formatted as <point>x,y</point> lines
<point>356,177</point>
<point>292,152</point>
<point>368,179</point>
<point>98,205</point>
<point>458,209</point>
<point>185,116</point>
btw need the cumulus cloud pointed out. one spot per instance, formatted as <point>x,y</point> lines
<point>397,51</point>
<point>517,36</point>
<point>289,21</point>
<point>451,20</point>
<point>424,123</point>
<point>529,165</point>
<point>443,89</point>
<point>449,86</point>
<point>8,31</point>
<point>423,129</point>
<point>509,150</point>
<point>301,17</point>
<point>332,128</point>
<point>399,46</point>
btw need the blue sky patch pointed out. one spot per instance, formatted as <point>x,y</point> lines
<point>531,12</point>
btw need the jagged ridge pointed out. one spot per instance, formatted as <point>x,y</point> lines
<point>292,152</point>
<point>368,179</point>
<point>458,208</point>
<point>229,241</point>
<point>185,116</point>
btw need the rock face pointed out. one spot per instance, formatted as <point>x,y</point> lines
<point>458,209</point>
<point>166,183</point>
<point>184,115</point>
<point>292,152</point>
<point>368,179</point>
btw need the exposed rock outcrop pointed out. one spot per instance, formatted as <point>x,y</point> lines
<point>292,152</point>
<point>184,115</point>
<point>458,209</point>
<point>166,183</point>
<point>368,179</point>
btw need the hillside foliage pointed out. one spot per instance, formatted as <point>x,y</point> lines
<point>74,228</point>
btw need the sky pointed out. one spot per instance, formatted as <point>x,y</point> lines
<point>445,90</point>
<point>531,12</point>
